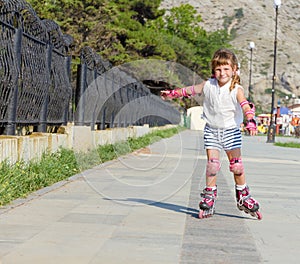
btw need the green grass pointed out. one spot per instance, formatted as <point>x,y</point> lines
<point>288,144</point>
<point>21,179</point>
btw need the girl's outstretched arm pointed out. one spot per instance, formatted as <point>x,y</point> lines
<point>187,91</point>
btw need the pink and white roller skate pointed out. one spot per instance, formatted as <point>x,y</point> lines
<point>207,205</point>
<point>246,203</point>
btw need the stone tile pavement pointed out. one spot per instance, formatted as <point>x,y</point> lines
<point>142,208</point>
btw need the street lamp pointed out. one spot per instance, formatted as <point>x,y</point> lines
<point>271,130</point>
<point>251,47</point>
<point>293,97</point>
<point>286,100</point>
<point>292,108</point>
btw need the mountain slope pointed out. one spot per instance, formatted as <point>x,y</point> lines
<point>249,20</point>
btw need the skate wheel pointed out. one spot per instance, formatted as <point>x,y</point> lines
<point>241,208</point>
<point>205,213</point>
<point>201,214</point>
<point>258,215</point>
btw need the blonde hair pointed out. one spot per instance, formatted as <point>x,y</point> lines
<point>225,57</point>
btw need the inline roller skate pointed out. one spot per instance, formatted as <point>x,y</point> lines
<point>207,205</point>
<point>246,203</point>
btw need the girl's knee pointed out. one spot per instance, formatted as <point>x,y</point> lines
<point>212,167</point>
<point>236,166</point>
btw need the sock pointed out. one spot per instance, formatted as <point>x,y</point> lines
<point>240,187</point>
<point>213,188</point>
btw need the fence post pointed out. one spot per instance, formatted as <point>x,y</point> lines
<point>94,116</point>
<point>80,97</point>
<point>12,106</point>
<point>112,120</point>
<point>102,127</point>
<point>42,127</point>
<point>67,109</point>
<point>68,116</point>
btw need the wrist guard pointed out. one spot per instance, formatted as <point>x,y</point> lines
<point>176,94</point>
<point>251,125</point>
<point>251,112</point>
<point>171,94</point>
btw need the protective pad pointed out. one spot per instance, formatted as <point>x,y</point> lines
<point>212,167</point>
<point>236,166</point>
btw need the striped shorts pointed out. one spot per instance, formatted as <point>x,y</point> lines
<point>218,138</point>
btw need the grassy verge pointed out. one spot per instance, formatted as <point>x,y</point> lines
<point>21,179</point>
<point>288,144</point>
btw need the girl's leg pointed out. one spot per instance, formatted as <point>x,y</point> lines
<point>234,155</point>
<point>212,167</point>
<point>244,200</point>
<point>209,194</point>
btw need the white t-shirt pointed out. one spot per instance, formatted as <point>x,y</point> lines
<point>220,106</point>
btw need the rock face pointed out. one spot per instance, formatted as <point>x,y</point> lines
<point>254,21</point>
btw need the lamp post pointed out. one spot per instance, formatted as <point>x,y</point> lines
<point>293,97</point>
<point>251,47</point>
<point>271,130</point>
<point>286,100</point>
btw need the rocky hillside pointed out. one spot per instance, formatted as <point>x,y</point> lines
<point>249,20</point>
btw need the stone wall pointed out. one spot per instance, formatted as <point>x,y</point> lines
<point>78,138</point>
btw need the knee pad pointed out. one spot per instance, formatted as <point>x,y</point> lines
<point>212,167</point>
<point>236,166</point>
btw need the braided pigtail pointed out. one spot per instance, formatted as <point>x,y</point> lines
<point>235,80</point>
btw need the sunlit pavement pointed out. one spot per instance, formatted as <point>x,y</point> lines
<point>143,208</point>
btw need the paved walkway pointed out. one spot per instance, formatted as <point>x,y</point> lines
<point>142,208</point>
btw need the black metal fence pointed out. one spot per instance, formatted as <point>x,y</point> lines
<point>35,84</point>
<point>35,81</point>
<point>110,97</point>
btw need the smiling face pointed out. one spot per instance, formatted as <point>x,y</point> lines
<point>224,73</point>
<point>224,66</point>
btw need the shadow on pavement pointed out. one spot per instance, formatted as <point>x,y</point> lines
<point>236,216</point>
<point>172,207</point>
<point>176,208</point>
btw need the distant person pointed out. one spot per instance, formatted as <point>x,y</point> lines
<point>295,121</point>
<point>223,108</point>
<point>296,126</point>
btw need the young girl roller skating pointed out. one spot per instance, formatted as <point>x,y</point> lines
<point>223,108</point>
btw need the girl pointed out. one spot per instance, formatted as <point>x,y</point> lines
<point>223,108</point>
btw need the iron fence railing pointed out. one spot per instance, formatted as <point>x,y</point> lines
<point>110,97</point>
<point>35,81</point>
<point>35,84</point>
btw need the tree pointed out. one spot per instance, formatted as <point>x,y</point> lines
<point>126,30</point>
